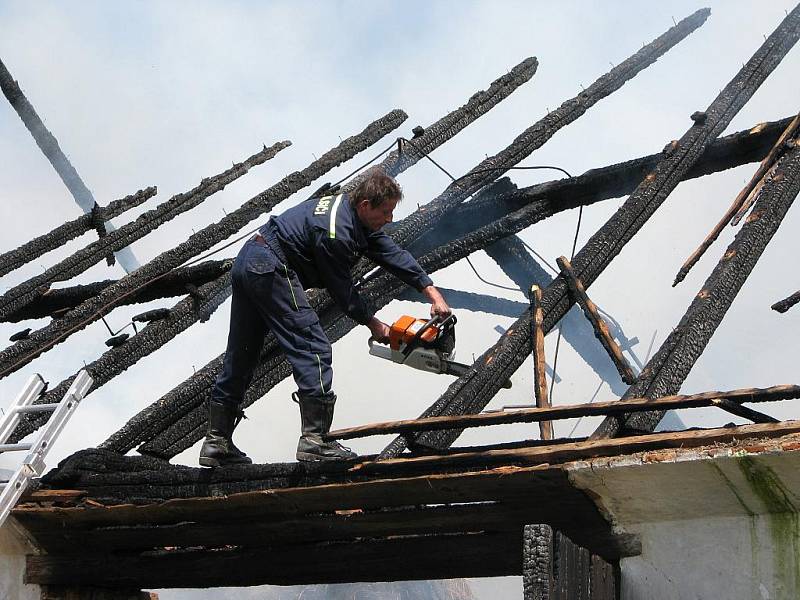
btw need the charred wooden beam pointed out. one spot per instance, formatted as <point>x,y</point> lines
<point>786,303</point>
<point>183,315</point>
<point>540,132</point>
<point>13,259</point>
<point>425,557</point>
<point>555,568</point>
<point>614,181</point>
<point>569,411</point>
<point>22,294</point>
<point>691,438</point>
<point>437,133</point>
<point>49,146</point>
<point>172,284</point>
<point>471,392</point>
<point>598,324</point>
<point>42,340</point>
<point>537,346</point>
<point>743,201</point>
<point>750,192</point>
<point>667,369</point>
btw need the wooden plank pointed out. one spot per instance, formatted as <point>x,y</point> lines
<point>537,346</point>
<point>738,202</point>
<point>750,192</point>
<point>599,325</point>
<point>568,411</point>
<point>587,449</point>
<point>46,496</point>
<point>414,558</point>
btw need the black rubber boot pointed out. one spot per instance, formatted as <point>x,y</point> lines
<point>218,448</point>
<point>316,415</point>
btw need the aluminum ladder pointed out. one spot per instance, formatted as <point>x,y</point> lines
<point>33,465</point>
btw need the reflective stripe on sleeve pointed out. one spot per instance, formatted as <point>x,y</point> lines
<point>332,226</point>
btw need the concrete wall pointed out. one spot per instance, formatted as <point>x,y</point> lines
<point>754,557</point>
<point>13,548</point>
<point>719,522</point>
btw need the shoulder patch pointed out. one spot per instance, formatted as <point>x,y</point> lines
<point>323,205</point>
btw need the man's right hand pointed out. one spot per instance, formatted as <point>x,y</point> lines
<point>379,329</point>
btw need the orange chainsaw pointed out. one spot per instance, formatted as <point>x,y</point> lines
<point>425,345</point>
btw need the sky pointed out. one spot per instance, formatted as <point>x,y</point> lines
<point>156,93</point>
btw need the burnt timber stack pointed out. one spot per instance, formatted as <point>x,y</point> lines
<point>140,521</point>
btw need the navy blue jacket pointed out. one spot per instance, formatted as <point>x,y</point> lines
<point>323,238</point>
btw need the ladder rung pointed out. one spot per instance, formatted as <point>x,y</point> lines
<point>34,408</point>
<point>15,447</point>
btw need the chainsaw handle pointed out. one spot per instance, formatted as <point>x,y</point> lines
<point>372,340</point>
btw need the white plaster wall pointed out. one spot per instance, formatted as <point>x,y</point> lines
<point>13,549</point>
<point>747,557</point>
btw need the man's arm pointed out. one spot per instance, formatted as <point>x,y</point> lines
<point>399,262</point>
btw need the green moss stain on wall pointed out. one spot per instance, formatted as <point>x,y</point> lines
<point>755,544</point>
<point>782,517</point>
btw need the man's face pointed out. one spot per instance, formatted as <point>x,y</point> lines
<point>375,218</point>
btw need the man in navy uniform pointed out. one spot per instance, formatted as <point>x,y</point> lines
<point>312,245</point>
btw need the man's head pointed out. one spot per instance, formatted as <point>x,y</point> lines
<point>375,198</point>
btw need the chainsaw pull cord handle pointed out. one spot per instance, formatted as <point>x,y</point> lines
<point>436,320</point>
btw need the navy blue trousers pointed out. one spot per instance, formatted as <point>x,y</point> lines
<point>267,296</point>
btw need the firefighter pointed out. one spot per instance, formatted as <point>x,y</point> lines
<point>312,245</point>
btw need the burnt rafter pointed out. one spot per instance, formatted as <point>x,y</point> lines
<point>787,303</point>
<point>743,201</point>
<point>48,144</point>
<point>40,341</point>
<point>116,360</point>
<point>540,132</point>
<point>57,301</point>
<point>471,392</point>
<point>13,259</point>
<point>599,325</point>
<point>83,259</point>
<point>568,411</point>
<point>666,371</point>
<point>436,134</point>
<point>746,146</point>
